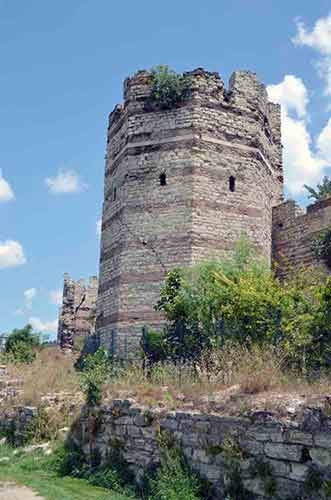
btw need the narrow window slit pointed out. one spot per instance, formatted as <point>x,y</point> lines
<point>163,179</point>
<point>232,184</point>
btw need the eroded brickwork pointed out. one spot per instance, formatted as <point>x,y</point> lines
<point>78,311</point>
<point>293,233</point>
<point>182,185</point>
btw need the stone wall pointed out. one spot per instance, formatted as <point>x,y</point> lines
<point>278,457</point>
<point>293,233</point>
<point>148,228</point>
<point>78,311</point>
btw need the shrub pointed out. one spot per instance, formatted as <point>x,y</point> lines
<point>93,376</point>
<point>322,246</point>
<point>20,345</point>
<point>169,89</point>
<point>239,300</point>
<point>114,475</point>
<point>153,346</point>
<point>174,480</point>
<point>68,460</point>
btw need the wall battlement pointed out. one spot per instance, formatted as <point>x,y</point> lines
<point>294,230</point>
<point>182,185</point>
<point>77,314</point>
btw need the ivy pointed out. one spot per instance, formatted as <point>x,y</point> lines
<point>169,89</point>
<point>322,246</point>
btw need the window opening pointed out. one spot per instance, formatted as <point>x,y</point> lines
<point>114,193</point>
<point>232,184</point>
<point>163,179</point>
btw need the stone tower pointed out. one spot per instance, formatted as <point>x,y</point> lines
<point>182,185</point>
<point>78,312</point>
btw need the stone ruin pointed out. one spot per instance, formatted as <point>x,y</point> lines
<point>182,185</point>
<point>78,312</point>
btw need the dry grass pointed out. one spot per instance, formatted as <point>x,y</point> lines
<point>52,372</point>
<point>233,381</point>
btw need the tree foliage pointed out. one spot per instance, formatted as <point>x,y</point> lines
<point>169,89</point>
<point>21,343</point>
<point>94,372</point>
<point>240,300</point>
<point>322,191</point>
<point>322,246</point>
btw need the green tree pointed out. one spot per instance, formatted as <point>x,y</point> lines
<point>21,343</point>
<point>322,191</point>
<point>240,300</point>
<point>208,304</point>
<point>319,349</point>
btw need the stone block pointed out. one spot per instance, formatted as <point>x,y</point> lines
<point>284,451</point>
<point>322,439</point>
<point>320,456</point>
<point>299,437</point>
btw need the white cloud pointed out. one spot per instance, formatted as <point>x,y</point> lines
<point>99,222</point>
<point>324,142</point>
<point>43,326</point>
<point>6,192</point>
<point>319,39</point>
<point>291,93</point>
<point>301,164</point>
<point>11,254</point>
<point>29,295</point>
<point>55,297</point>
<point>66,181</point>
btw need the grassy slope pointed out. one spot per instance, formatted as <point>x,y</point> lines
<point>29,471</point>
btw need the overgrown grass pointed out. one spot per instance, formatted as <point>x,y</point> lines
<point>51,372</point>
<point>35,471</point>
<point>235,375</point>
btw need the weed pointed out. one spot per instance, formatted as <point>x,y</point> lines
<point>313,482</point>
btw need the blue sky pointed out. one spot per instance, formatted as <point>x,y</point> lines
<point>61,73</point>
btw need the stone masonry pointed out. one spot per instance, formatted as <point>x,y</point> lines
<point>286,457</point>
<point>293,233</point>
<point>78,311</point>
<point>180,186</point>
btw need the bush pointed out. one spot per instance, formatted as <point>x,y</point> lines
<point>322,246</point>
<point>240,301</point>
<point>153,346</point>
<point>169,89</point>
<point>94,373</point>
<point>174,480</point>
<point>20,345</point>
<point>214,302</point>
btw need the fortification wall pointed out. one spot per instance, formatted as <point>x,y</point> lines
<point>148,228</point>
<point>293,233</point>
<point>78,311</point>
<point>275,456</point>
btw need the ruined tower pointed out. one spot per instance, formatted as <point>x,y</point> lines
<point>78,312</point>
<point>182,185</point>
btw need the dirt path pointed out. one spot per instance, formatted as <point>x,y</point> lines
<point>12,491</point>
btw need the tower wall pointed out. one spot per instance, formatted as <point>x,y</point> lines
<point>78,311</point>
<point>148,228</point>
<point>293,233</point>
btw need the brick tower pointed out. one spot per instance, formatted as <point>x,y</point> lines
<point>182,185</point>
